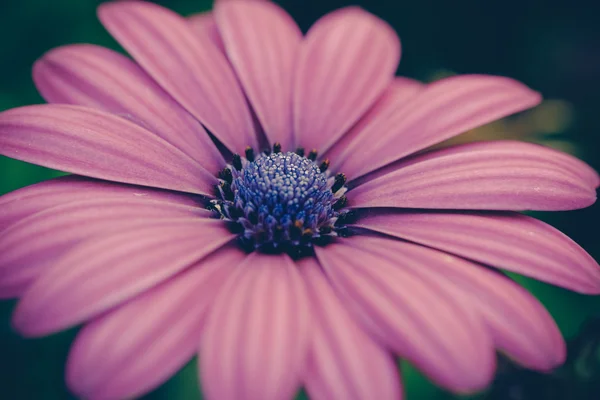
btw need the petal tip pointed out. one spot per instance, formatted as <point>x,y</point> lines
<point>108,10</point>
<point>592,289</point>
<point>473,382</point>
<point>588,199</point>
<point>558,357</point>
<point>39,65</point>
<point>545,358</point>
<point>531,98</point>
<point>536,97</point>
<point>23,324</point>
<point>105,8</point>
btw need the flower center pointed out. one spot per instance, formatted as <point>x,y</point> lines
<point>281,201</point>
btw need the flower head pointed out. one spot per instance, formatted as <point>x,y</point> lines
<point>281,201</point>
<point>261,198</point>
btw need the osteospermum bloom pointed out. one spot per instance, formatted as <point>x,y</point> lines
<point>261,198</point>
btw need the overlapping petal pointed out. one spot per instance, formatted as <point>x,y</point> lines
<point>100,78</point>
<point>554,158</point>
<point>190,67</point>
<point>482,176</point>
<point>510,241</point>
<point>102,273</point>
<point>398,94</point>
<point>255,341</point>
<point>262,43</point>
<point>346,62</point>
<point>440,111</point>
<point>140,344</point>
<point>94,143</point>
<point>32,245</point>
<point>205,25</point>
<point>424,323</point>
<point>518,323</point>
<point>344,362</point>
<point>32,199</point>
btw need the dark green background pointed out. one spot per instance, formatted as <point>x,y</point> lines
<point>553,46</point>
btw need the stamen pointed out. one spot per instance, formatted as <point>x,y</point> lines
<point>341,203</point>
<point>277,148</point>
<point>212,206</point>
<point>340,180</point>
<point>300,151</point>
<point>234,212</point>
<point>324,165</point>
<point>307,234</point>
<point>312,156</point>
<point>278,233</point>
<point>296,231</point>
<point>227,192</point>
<point>344,232</point>
<point>237,162</point>
<point>325,230</point>
<point>345,218</point>
<point>226,175</point>
<point>250,154</point>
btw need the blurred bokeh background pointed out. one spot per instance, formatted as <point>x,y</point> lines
<point>553,46</point>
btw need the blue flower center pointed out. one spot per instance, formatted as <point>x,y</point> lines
<point>280,201</point>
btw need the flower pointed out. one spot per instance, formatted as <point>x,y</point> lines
<point>289,266</point>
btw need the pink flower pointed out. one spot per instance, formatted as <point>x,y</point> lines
<point>339,273</point>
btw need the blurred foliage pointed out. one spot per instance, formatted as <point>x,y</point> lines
<point>552,46</point>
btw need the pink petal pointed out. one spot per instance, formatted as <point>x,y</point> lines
<point>481,176</point>
<point>100,78</point>
<point>440,111</point>
<point>343,363</point>
<point>32,245</point>
<point>509,241</point>
<point>348,59</point>
<point>518,323</point>
<point>29,200</point>
<point>94,143</point>
<point>188,66</point>
<point>424,323</point>
<point>204,24</point>
<point>102,273</point>
<point>262,42</point>
<point>136,347</point>
<point>255,341</point>
<point>398,94</point>
<point>580,169</point>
